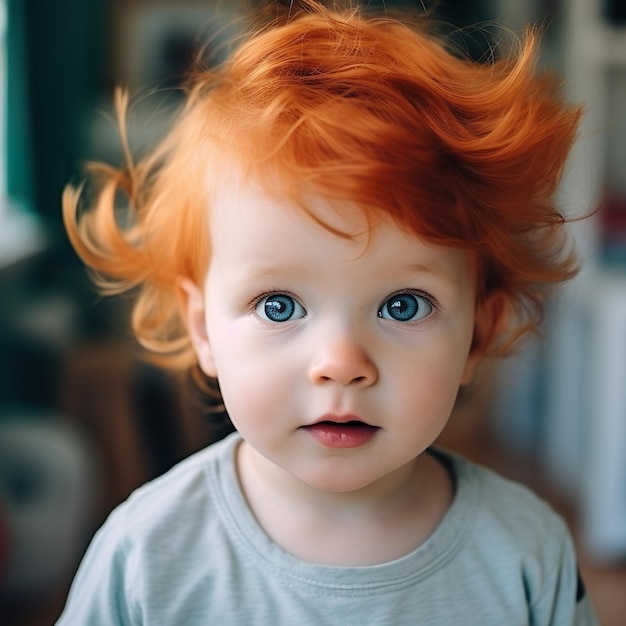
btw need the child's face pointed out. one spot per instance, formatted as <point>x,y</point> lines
<point>339,360</point>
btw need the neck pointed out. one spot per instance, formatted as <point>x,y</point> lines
<point>377,523</point>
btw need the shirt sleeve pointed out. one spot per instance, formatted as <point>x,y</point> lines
<point>98,595</point>
<point>564,600</point>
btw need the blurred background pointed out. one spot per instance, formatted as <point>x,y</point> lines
<point>84,419</point>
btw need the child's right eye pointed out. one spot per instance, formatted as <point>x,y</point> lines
<point>279,307</point>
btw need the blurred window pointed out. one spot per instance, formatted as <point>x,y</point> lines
<point>20,234</point>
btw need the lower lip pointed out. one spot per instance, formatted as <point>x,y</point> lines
<point>341,435</point>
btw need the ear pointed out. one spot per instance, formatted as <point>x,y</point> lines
<point>192,305</point>
<point>489,320</point>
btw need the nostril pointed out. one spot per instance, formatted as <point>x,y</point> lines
<point>356,380</point>
<point>343,365</point>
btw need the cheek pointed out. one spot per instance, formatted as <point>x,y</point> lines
<point>255,387</point>
<point>432,397</point>
<point>429,380</point>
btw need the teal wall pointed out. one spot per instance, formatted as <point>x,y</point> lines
<point>56,71</point>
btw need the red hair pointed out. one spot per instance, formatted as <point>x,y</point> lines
<point>359,108</point>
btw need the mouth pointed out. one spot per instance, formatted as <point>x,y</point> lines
<point>341,433</point>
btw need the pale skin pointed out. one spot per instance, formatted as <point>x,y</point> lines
<point>306,331</point>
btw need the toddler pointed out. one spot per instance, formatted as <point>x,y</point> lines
<point>345,220</point>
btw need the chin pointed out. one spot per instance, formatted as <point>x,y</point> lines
<point>339,481</point>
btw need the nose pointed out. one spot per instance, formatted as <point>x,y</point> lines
<point>342,361</point>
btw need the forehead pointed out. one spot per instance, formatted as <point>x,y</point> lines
<point>250,226</point>
<point>237,195</point>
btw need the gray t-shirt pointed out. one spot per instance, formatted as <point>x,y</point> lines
<point>185,549</point>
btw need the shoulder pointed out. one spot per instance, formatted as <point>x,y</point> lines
<point>183,479</point>
<point>507,524</point>
<point>184,484</point>
<point>184,493</point>
<point>508,509</point>
<point>517,542</point>
<point>164,530</point>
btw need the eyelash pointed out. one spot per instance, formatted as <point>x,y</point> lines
<point>415,292</point>
<point>432,302</point>
<point>271,292</point>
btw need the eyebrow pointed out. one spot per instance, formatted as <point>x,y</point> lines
<point>256,272</point>
<point>436,271</point>
<point>278,272</point>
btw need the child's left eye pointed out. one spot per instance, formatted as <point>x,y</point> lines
<point>405,307</point>
<point>279,307</point>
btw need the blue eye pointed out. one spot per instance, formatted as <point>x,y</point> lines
<point>279,307</point>
<point>405,307</point>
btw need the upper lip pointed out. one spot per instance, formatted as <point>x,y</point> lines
<point>343,418</point>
